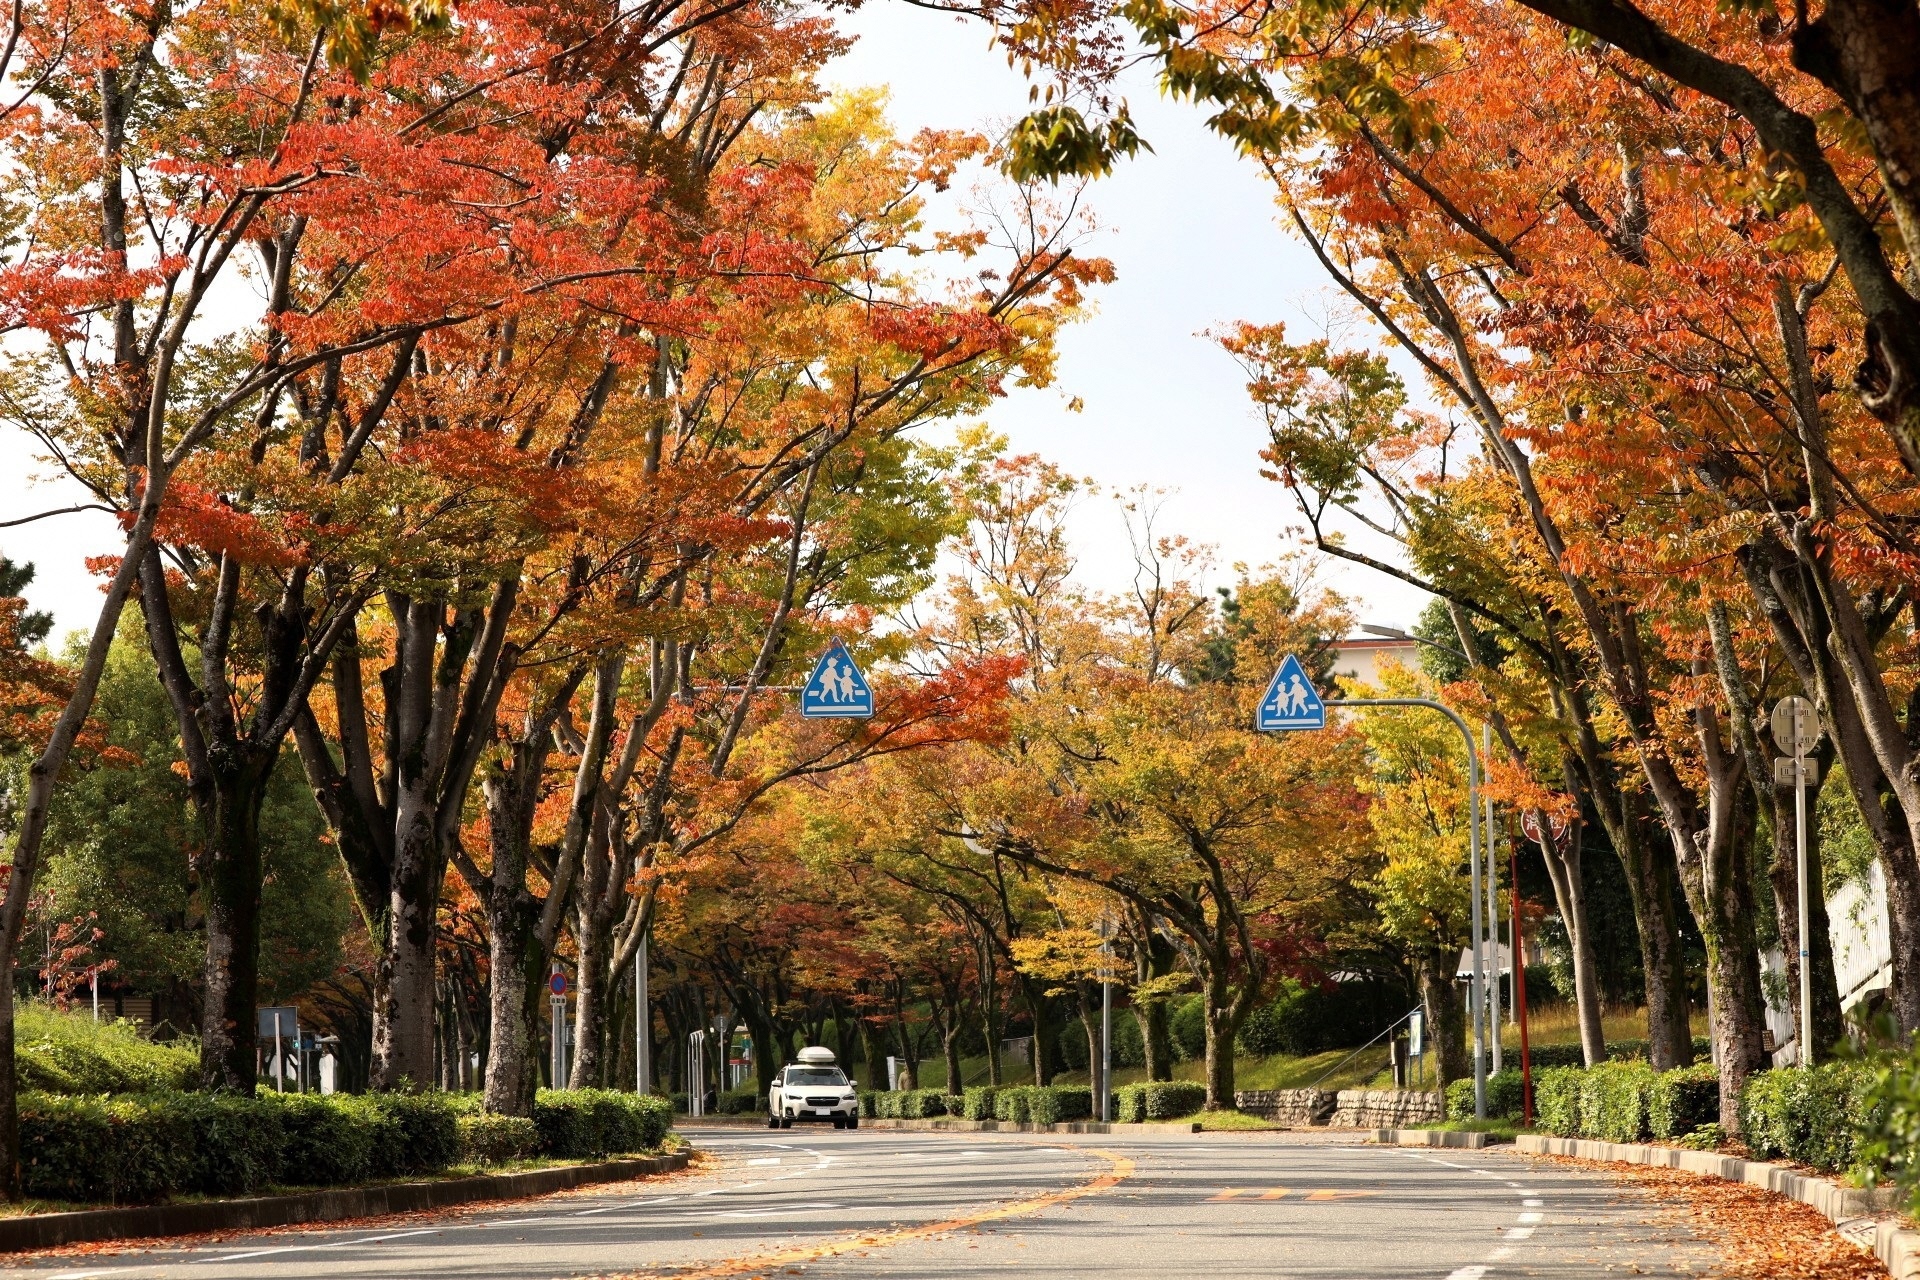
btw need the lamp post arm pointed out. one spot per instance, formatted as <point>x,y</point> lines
<point>1476,986</point>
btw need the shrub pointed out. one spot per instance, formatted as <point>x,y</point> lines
<point>120,1151</point>
<point>1013,1104</point>
<point>1187,1027</point>
<point>575,1124</point>
<point>977,1102</point>
<point>739,1102</point>
<point>920,1104</point>
<point>1888,1131</point>
<point>1505,1096</point>
<point>1130,1103</point>
<point>1816,1115</point>
<point>1072,1102</point>
<point>1556,1100</point>
<point>1613,1101</point>
<point>869,1104</point>
<point>70,1053</point>
<point>1682,1102</point>
<point>328,1140</point>
<point>1305,1020</point>
<point>952,1104</point>
<point>418,1134</point>
<point>239,1144</point>
<point>491,1139</point>
<point>1169,1100</point>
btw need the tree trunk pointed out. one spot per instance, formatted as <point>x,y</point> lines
<point>230,878</point>
<point>589,1009</point>
<point>1652,888</point>
<point>1446,1020</point>
<point>513,1074</point>
<point>1220,1034</point>
<point>403,1018</point>
<point>1156,1041</point>
<point>950,1048</point>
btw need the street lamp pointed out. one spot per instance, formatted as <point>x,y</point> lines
<point>1482,998</point>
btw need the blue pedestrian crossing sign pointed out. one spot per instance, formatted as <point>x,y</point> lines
<point>836,689</point>
<point>1290,701</point>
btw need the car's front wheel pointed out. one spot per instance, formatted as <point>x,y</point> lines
<point>853,1122</point>
<point>773,1121</point>
<point>786,1122</point>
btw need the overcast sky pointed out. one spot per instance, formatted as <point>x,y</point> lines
<point>1192,232</point>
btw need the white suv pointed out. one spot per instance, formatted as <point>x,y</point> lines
<point>812,1088</point>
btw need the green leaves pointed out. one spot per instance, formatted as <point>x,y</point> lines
<point>1058,142</point>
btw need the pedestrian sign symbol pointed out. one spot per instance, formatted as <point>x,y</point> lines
<point>1290,701</point>
<point>836,688</point>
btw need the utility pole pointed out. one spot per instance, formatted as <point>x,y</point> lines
<point>642,1023</point>
<point>1796,729</point>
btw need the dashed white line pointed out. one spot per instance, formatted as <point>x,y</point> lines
<point>1468,1273</point>
<point>1518,1233</point>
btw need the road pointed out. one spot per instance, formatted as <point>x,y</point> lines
<point>929,1206</point>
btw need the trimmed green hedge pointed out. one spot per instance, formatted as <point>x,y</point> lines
<point>491,1139</point>
<point>1012,1104</point>
<point>1815,1116</point>
<point>1683,1100</point>
<point>1505,1096</point>
<point>140,1148</point>
<point>1164,1100</point>
<point>976,1102</point>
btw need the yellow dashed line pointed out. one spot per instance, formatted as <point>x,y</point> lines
<point>1119,1169</point>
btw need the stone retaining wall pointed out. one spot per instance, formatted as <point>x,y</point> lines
<point>1386,1109</point>
<point>1297,1108</point>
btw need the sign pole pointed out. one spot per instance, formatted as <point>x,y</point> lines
<point>1796,729</point>
<point>1493,911</point>
<point>1106,1023</point>
<point>1519,979</point>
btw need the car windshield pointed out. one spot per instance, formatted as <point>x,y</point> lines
<point>814,1075</point>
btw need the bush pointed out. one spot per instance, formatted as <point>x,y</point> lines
<point>70,1053</point>
<point>1072,1102</point>
<point>1815,1116</point>
<point>1304,1020</point>
<point>1130,1103</point>
<point>329,1141</point>
<point>1887,1133</point>
<point>740,1102</point>
<point>1505,1096</point>
<point>977,1102</point>
<point>239,1144</point>
<point>1169,1100</point>
<point>1187,1027</point>
<point>417,1136</point>
<point>922,1104</point>
<point>491,1139</point>
<point>1012,1105</point>
<point>577,1124</point>
<point>1556,1100</point>
<point>1684,1101</point>
<point>118,1151</point>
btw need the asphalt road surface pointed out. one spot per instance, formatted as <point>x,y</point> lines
<point>929,1206</point>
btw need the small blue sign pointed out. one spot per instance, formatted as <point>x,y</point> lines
<point>1290,701</point>
<point>836,689</point>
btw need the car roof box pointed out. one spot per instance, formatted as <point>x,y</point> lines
<point>815,1056</point>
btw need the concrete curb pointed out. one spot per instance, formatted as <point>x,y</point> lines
<point>48,1230</point>
<point>1852,1209</point>
<point>1428,1138</point>
<point>1008,1126</point>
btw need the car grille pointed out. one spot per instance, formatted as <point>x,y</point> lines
<point>823,1102</point>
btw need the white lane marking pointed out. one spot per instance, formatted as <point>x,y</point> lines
<point>1533,1204</point>
<point>308,1248</point>
<point>1468,1273</point>
<point>631,1204</point>
<point>1518,1233</point>
<point>782,1208</point>
<point>766,1160</point>
<point>1501,1254</point>
<point>1530,1217</point>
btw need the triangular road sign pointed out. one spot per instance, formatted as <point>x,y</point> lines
<point>836,689</point>
<point>1290,701</point>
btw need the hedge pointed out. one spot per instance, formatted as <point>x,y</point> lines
<point>491,1139</point>
<point>1813,1115</point>
<point>140,1148</point>
<point>1164,1100</point>
<point>1504,1096</point>
<point>976,1103</point>
<point>1683,1100</point>
<point>1011,1104</point>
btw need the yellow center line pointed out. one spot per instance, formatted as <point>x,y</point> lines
<point>1119,1169</point>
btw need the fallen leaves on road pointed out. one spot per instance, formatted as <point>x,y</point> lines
<point>1761,1235</point>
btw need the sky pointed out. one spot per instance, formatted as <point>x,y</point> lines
<point>1191,230</point>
